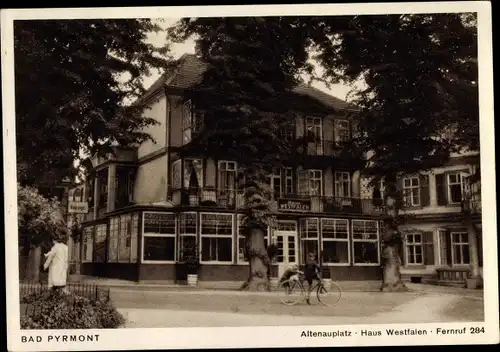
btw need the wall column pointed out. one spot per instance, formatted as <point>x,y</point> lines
<point>432,190</point>
<point>473,250</point>
<point>111,187</point>
<point>97,193</point>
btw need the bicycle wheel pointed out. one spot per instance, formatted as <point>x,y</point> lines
<point>290,292</point>
<point>329,297</point>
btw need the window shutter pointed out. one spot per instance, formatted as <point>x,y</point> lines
<point>400,190</point>
<point>441,189</point>
<point>424,191</point>
<point>448,248</point>
<point>428,244</point>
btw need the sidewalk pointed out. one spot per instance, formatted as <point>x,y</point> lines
<point>347,286</point>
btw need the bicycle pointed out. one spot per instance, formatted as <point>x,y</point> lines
<point>292,291</point>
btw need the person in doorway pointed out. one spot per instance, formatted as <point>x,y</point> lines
<point>56,260</point>
<point>311,272</point>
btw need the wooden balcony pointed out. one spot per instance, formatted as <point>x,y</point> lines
<point>233,200</point>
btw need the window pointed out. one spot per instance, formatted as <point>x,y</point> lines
<point>342,184</point>
<point>456,187</point>
<point>454,247</point>
<point>191,122</point>
<point>365,241</point>
<point>176,175</point>
<point>314,132</point>
<point>287,131</point>
<point>310,182</point>
<point>460,245</point>
<point>309,237</point>
<point>227,175</point>
<point>411,191</point>
<point>241,241</point>
<point>342,131</point>
<point>100,243</point>
<point>113,239</point>
<point>335,241</point>
<point>133,238</point>
<point>88,244</point>
<point>216,237</point>
<point>159,237</point>
<point>289,189</point>
<point>125,238</point>
<point>187,233</point>
<point>275,182</point>
<point>414,249</point>
<point>193,166</point>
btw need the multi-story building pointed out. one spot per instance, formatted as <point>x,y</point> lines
<point>142,213</point>
<point>149,203</point>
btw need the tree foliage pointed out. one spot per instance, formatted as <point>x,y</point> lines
<point>40,219</point>
<point>73,79</point>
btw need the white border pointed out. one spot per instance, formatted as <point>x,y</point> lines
<point>243,337</point>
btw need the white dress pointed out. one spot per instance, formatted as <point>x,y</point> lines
<point>57,262</point>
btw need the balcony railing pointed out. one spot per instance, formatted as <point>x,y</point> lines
<point>471,206</point>
<point>322,147</point>
<point>232,199</point>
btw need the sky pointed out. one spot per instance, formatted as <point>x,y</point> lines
<point>177,50</point>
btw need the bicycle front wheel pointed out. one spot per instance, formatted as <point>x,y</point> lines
<point>329,297</point>
<point>290,292</point>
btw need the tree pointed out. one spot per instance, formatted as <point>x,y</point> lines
<point>244,99</point>
<point>74,80</point>
<point>420,73</point>
<point>40,221</point>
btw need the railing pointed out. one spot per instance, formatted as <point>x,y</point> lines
<point>232,199</point>
<point>471,206</point>
<point>322,147</point>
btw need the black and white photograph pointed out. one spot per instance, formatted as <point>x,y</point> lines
<point>310,173</point>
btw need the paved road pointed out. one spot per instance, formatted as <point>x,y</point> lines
<point>223,308</point>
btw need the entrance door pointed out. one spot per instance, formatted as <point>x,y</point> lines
<point>287,255</point>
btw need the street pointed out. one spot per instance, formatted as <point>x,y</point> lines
<point>179,308</point>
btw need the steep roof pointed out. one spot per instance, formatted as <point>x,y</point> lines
<point>190,68</point>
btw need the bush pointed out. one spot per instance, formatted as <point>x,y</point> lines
<point>54,310</point>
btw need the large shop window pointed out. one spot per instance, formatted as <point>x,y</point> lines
<point>335,241</point>
<point>187,234</point>
<point>123,234</point>
<point>309,237</point>
<point>88,244</point>
<point>365,242</point>
<point>100,243</point>
<point>159,237</point>
<point>216,238</point>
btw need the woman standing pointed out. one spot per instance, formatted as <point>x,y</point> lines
<point>57,263</point>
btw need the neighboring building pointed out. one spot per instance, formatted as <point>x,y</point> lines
<point>142,214</point>
<point>442,240</point>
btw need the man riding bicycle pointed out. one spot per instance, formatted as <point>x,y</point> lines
<point>311,272</point>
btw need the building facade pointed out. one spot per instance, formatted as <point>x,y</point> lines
<point>149,203</point>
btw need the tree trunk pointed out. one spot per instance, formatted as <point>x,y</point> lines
<point>33,264</point>
<point>259,262</point>
<point>392,239</point>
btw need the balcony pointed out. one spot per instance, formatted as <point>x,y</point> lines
<point>296,203</point>
<point>321,148</point>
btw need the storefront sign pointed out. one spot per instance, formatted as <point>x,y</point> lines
<point>294,204</point>
<point>158,218</point>
<point>78,207</point>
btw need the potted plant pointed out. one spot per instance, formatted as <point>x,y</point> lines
<point>192,263</point>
